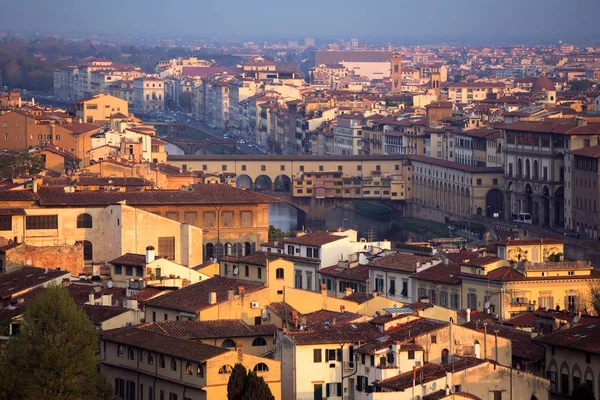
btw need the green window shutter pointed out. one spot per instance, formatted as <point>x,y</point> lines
<point>327,389</point>
<point>339,354</point>
<point>339,389</point>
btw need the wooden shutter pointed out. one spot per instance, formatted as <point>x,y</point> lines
<point>339,354</point>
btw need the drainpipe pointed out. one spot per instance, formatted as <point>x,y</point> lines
<point>496,344</point>
<point>485,340</point>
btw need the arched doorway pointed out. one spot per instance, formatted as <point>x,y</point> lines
<point>262,183</point>
<point>445,356</point>
<point>494,203</point>
<point>283,183</point>
<point>546,207</point>
<point>559,208</point>
<point>528,199</point>
<point>243,182</point>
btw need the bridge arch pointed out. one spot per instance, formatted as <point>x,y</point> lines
<point>243,182</point>
<point>282,183</point>
<point>263,182</point>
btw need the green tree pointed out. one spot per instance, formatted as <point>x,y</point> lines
<point>580,85</point>
<point>185,101</point>
<point>582,392</point>
<point>275,234</point>
<point>256,388</point>
<point>15,164</point>
<point>237,383</point>
<point>53,357</point>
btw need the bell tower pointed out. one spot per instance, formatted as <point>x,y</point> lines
<point>396,73</point>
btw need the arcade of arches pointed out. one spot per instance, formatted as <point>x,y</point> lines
<point>545,203</point>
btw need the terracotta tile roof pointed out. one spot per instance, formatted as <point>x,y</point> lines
<point>441,394</point>
<point>136,260</point>
<point>592,151</point>
<point>17,195</point>
<point>202,194</point>
<point>194,298</point>
<point>523,320</point>
<point>10,211</point>
<point>204,264</point>
<point>529,242</point>
<point>522,343</point>
<point>26,278</point>
<point>358,298</point>
<point>335,333</point>
<point>359,273</point>
<point>315,239</point>
<point>81,292</point>
<point>502,274</point>
<point>429,372</point>
<point>282,309</point>
<point>98,314</point>
<point>440,273</point>
<point>321,316</point>
<point>261,257</point>
<point>439,104</point>
<point>584,338</point>
<point>384,319</point>
<point>197,330</point>
<point>81,127</point>
<point>399,262</point>
<point>456,166</point>
<point>408,331</point>
<point>163,344</point>
<point>148,293</point>
<point>549,126</point>
<point>461,256</point>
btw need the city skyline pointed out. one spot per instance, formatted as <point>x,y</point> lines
<point>534,21</point>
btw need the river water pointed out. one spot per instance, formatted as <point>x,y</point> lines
<point>288,219</point>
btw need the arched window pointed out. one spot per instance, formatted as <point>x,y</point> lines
<point>161,361</point>
<point>173,364</point>
<point>279,273</point>
<point>259,342</point>
<point>88,250</point>
<point>120,351</point>
<point>247,271</point>
<point>228,343</point>
<point>261,367</point>
<point>247,248</point>
<point>445,355</point>
<point>210,250</point>
<point>259,272</point>
<point>84,221</point>
<point>200,371</point>
<point>150,359</point>
<point>130,354</point>
<point>188,369</point>
<point>228,249</point>
<point>225,369</point>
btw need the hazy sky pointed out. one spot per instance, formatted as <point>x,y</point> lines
<point>464,20</point>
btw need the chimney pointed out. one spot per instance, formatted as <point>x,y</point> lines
<point>349,291</point>
<point>212,298</point>
<point>581,121</point>
<point>91,299</point>
<point>468,315</point>
<point>95,269</point>
<point>150,255</point>
<point>132,304</point>
<point>107,300</point>
<point>323,289</point>
<point>241,292</point>
<point>230,294</point>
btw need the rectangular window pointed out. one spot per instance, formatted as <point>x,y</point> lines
<point>317,355</point>
<point>411,355</point>
<point>174,215</point>
<point>128,270</point>
<point>228,218</point>
<point>6,223</point>
<point>392,289</point>
<point>298,280</point>
<point>42,222</point>
<point>290,250</point>
<point>118,269</point>
<point>404,292</point>
<point>209,219</point>
<point>166,247</point>
<point>479,181</point>
<point>191,217</point>
<point>223,167</point>
<point>246,218</point>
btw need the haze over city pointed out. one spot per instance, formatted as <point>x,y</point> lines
<point>414,22</point>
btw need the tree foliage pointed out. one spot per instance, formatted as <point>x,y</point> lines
<point>17,164</point>
<point>245,385</point>
<point>580,85</point>
<point>275,234</point>
<point>237,382</point>
<point>53,357</point>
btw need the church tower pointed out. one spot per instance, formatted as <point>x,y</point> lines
<point>396,73</point>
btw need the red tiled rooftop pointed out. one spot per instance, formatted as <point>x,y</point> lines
<point>211,329</point>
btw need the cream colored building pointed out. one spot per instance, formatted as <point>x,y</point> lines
<point>148,94</point>
<point>143,364</point>
<point>100,107</point>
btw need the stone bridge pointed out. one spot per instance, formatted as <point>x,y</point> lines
<point>193,146</point>
<point>314,208</point>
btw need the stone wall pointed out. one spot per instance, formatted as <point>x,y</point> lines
<point>66,257</point>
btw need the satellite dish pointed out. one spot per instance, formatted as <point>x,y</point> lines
<point>453,389</point>
<point>109,284</point>
<point>433,386</point>
<point>487,304</point>
<point>236,270</point>
<point>576,319</point>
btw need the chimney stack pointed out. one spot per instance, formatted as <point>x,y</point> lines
<point>150,254</point>
<point>349,291</point>
<point>230,294</point>
<point>212,298</point>
<point>323,289</point>
<point>91,298</point>
<point>468,315</point>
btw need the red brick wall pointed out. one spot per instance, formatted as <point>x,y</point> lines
<point>67,258</point>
